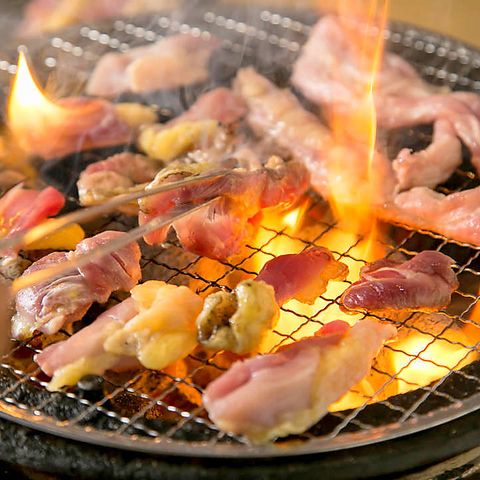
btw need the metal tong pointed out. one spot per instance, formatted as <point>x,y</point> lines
<point>55,224</point>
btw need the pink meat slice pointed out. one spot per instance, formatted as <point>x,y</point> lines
<point>85,123</point>
<point>88,342</point>
<point>290,390</point>
<point>220,230</point>
<point>278,115</point>
<point>424,283</point>
<point>455,216</point>
<point>116,174</point>
<point>168,63</point>
<point>302,276</point>
<point>432,166</point>
<point>402,98</point>
<point>49,305</point>
<point>22,209</point>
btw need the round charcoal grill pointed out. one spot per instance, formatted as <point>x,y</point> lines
<point>126,412</point>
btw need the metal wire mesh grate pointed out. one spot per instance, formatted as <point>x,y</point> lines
<point>162,412</point>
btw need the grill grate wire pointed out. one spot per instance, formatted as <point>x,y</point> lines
<point>157,422</point>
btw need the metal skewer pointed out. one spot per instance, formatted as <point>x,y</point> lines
<point>77,261</point>
<point>53,225</point>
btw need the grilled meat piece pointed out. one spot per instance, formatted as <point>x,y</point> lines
<point>424,283</point>
<point>196,128</point>
<point>22,209</point>
<point>163,330</point>
<point>455,216</point>
<point>303,276</point>
<point>220,104</point>
<point>116,175</point>
<point>155,327</point>
<point>402,98</point>
<point>221,230</point>
<point>435,164</point>
<point>49,305</point>
<point>288,391</point>
<point>168,63</point>
<point>238,321</point>
<point>277,114</point>
<point>75,123</point>
<point>83,353</point>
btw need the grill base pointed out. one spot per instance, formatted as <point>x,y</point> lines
<point>31,449</point>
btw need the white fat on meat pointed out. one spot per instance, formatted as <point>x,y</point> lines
<point>287,392</point>
<point>164,330</point>
<point>83,353</point>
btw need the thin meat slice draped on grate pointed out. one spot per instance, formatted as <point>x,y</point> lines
<point>47,306</point>
<point>238,321</point>
<point>222,229</point>
<point>455,216</point>
<point>153,328</point>
<point>402,98</point>
<point>168,63</point>
<point>287,392</point>
<point>277,114</point>
<point>424,283</point>
<point>196,128</point>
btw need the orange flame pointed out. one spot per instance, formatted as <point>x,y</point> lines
<point>51,128</point>
<point>354,180</point>
<point>29,110</point>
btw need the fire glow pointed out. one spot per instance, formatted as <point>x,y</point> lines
<point>52,129</point>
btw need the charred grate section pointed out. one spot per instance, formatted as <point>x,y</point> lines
<point>162,412</point>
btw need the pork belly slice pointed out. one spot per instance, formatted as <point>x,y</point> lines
<point>238,321</point>
<point>168,63</point>
<point>402,98</point>
<point>221,230</point>
<point>83,353</point>
<point>302,276</point>
<point>456,216</point>
<point>118,174</point>
<point>424,283</point>
<point>278,115</point>
<point>287,392</point>
<point>432,166</point>
<point>22,209</point>
<point>49,305</point>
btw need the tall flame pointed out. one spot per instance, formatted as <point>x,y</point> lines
<point>53,128</point>
<point>29,110</point>
<point>353,179</point>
